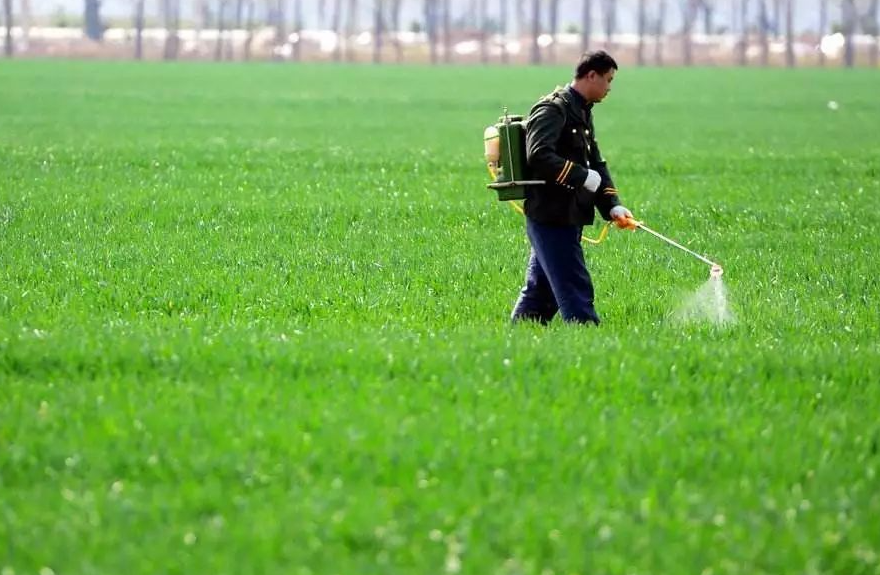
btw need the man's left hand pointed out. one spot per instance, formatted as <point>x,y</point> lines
<point>623,218</point>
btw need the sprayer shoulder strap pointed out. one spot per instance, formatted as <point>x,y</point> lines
<point>557,99</point>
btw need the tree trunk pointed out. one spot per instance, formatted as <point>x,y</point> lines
<point>849,28</point>
<point>7,18</point>
<point>777,17</point>
<point>351,30</point>
<point>431,28</point>
<point>93,27</point>
<point>322,14</point>
<point>502,29</point>
<point>221,21</point>
<point>823,27</point>
<point>447,31</point>
<point>395,30</point>
<point>280,26</point>
<point>708,16</point>
<point>660,33</point>
<point>235,25</point>
<point>762,32</point>
<point>789,34</point>
<point>249,24</point>
<point>875,22</point>
<point>139,30</point>
<point>586,24</point>
<point>642,19</point>
<point>337,27</point>
<point>521,19</point>
<point>484,31</point>
<point>26,19</point>
<point>553,6</point>
<point>297,29</point>
<point>734,23</point>
<point>377,31</point>
<point>535,57</point>
<point>171,10</point>
<point>744,41</point>
<point>609,15</point>
<point>689,9</point>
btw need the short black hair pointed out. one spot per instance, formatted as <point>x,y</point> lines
<point>599,61</point>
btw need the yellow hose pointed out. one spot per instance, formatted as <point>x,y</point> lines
<point>602,234</point>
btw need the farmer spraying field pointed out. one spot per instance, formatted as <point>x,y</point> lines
<point>561,149</point>
<point>552,161</point>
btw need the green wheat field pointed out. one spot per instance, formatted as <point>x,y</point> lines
<point>254,320</point>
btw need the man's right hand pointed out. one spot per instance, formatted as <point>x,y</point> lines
<point>593,181</point>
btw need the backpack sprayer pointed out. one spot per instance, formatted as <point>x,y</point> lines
<point>505,150</point>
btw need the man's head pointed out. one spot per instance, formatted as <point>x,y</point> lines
<point>593,75</point>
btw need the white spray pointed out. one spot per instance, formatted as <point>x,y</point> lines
<point>707,304</point>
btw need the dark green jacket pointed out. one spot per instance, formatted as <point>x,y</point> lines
<point>560,147</point>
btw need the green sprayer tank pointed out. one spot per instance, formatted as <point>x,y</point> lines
<point>505,149</point>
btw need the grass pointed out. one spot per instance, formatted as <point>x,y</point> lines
<point>254,320</point>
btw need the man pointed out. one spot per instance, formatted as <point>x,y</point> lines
<point>561,149</point>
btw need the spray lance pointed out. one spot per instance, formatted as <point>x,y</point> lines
<point>715,270</point>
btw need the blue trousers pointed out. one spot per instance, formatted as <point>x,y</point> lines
<point>556,278</point>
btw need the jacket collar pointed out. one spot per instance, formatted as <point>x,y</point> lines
<point>577,103</point>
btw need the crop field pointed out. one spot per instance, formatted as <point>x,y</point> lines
<point>254,320</point>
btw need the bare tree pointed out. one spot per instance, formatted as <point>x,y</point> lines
<point>221,22</point>
<point>642,19</point>
<point>659,33</point>
<point>744,40</point>
<point>483,9</point>
<point>337,27</point>
<point>351,29</point>
<point>279,17</point>
<point>297,29</point>
<point>7,18</point>
<point>502,29</point>
<point>378,29</point>
<point>586,24</point>
<point>139,30</point>
<point>521,18</point>
<point>171,14</point>
<point>431,26</point>
<point>823,26</point>
<point>92,25</point>
<point>873,15</point>
<point>553,21</point>
<point>849,17</point>
<point>609,17</point>
<point>249,25</point>
<point>322,14</point>
<point>535,57</point>
<point>25,19</point>
<point>777,18</point>
<point>395,29</point>
<point>689,15</point>
<point>762,32</point>
<point>447,31</point>
<point>789,34</point>
<point>708,9</point>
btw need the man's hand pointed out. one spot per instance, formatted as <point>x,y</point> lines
<point>593,181</point>
<point>623,218</point>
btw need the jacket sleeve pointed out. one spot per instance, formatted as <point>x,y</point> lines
<point>543,132</point>
<point>606,195</point>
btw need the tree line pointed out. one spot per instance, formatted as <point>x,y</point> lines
<point>749,20</point>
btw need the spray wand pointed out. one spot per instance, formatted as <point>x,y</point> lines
<point>716,271</point>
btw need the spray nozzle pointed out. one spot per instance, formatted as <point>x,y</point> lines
<point>716,271</point>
